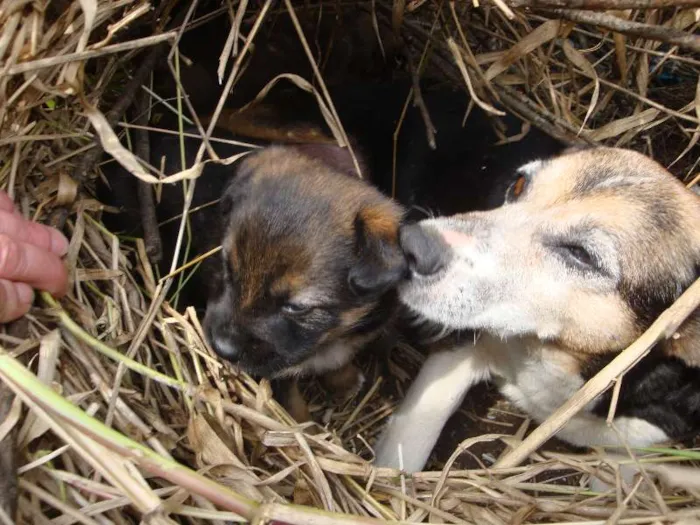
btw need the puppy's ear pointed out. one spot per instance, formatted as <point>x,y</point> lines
<point>335,157</point>
<point>380,263</point>
<point>236,186</point>
<point>227,201</point>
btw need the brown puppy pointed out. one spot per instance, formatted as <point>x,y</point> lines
<point>589,249</point>
<point>310,254</point>
<point>309,262</point>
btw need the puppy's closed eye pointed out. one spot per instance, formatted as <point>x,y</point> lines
<point>296,309</point>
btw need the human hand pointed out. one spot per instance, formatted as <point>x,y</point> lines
<point>30,257</point>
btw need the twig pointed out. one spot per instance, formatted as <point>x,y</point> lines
<point>115,114</point>
<point>650,32</point>
<point>147,206</point>
<point>664,327</point>
<point>35,65</point>
<point>418,98</point>
<point>541,118</point>
<point>604,5</point>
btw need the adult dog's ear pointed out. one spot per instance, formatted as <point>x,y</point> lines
<point>380,264</point>
<point>685,343</point>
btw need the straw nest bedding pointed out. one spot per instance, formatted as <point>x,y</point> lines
<point>121,412</point>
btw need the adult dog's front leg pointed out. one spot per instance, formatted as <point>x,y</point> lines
<point>433,397</point>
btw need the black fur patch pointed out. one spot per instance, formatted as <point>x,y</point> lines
<point>649,303</point>
<point>661,390</point>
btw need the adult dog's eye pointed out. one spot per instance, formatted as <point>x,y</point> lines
<point>578,255</point>
<point>516,189</point>
<point>295,309</point>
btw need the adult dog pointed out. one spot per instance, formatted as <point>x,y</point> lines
<point>590,247</point>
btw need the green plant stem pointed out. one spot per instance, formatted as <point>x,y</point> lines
<point>26,384</point>
<point>29,388</point>
<point>106,350</point>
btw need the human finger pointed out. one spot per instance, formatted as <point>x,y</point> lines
<point>15,300</point>
<point>24,262</point>
<point>6,203</point>
<point>34,233</point>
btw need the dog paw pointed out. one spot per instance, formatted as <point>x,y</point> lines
<point>345,383</point>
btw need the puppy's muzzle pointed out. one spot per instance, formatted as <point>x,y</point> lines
<point>424,248</point>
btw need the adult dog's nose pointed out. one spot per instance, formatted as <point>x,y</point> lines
<point>425,250</point>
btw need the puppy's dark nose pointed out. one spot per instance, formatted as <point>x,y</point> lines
<point>424,249</point>
<point>223,344</point>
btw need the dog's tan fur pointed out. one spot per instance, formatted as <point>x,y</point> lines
<point>594,245</point>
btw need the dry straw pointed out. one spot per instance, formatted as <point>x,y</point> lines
<point>122,413</point>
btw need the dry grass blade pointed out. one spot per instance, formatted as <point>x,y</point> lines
<point>618,127</point>
<point>44,63</point>
<point>78,332</point>
<point>56,407</point>
<point>25,385</point>
<point>696,134</point>
<point>605,5</point>
<point>112,145</point>
<point>577,58</point>
<point>540,36</point>
<point>319,78</point>
<point>662,34</point>
<point>231,45</point>
<point>456,53</point>
<point>305,85</point>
